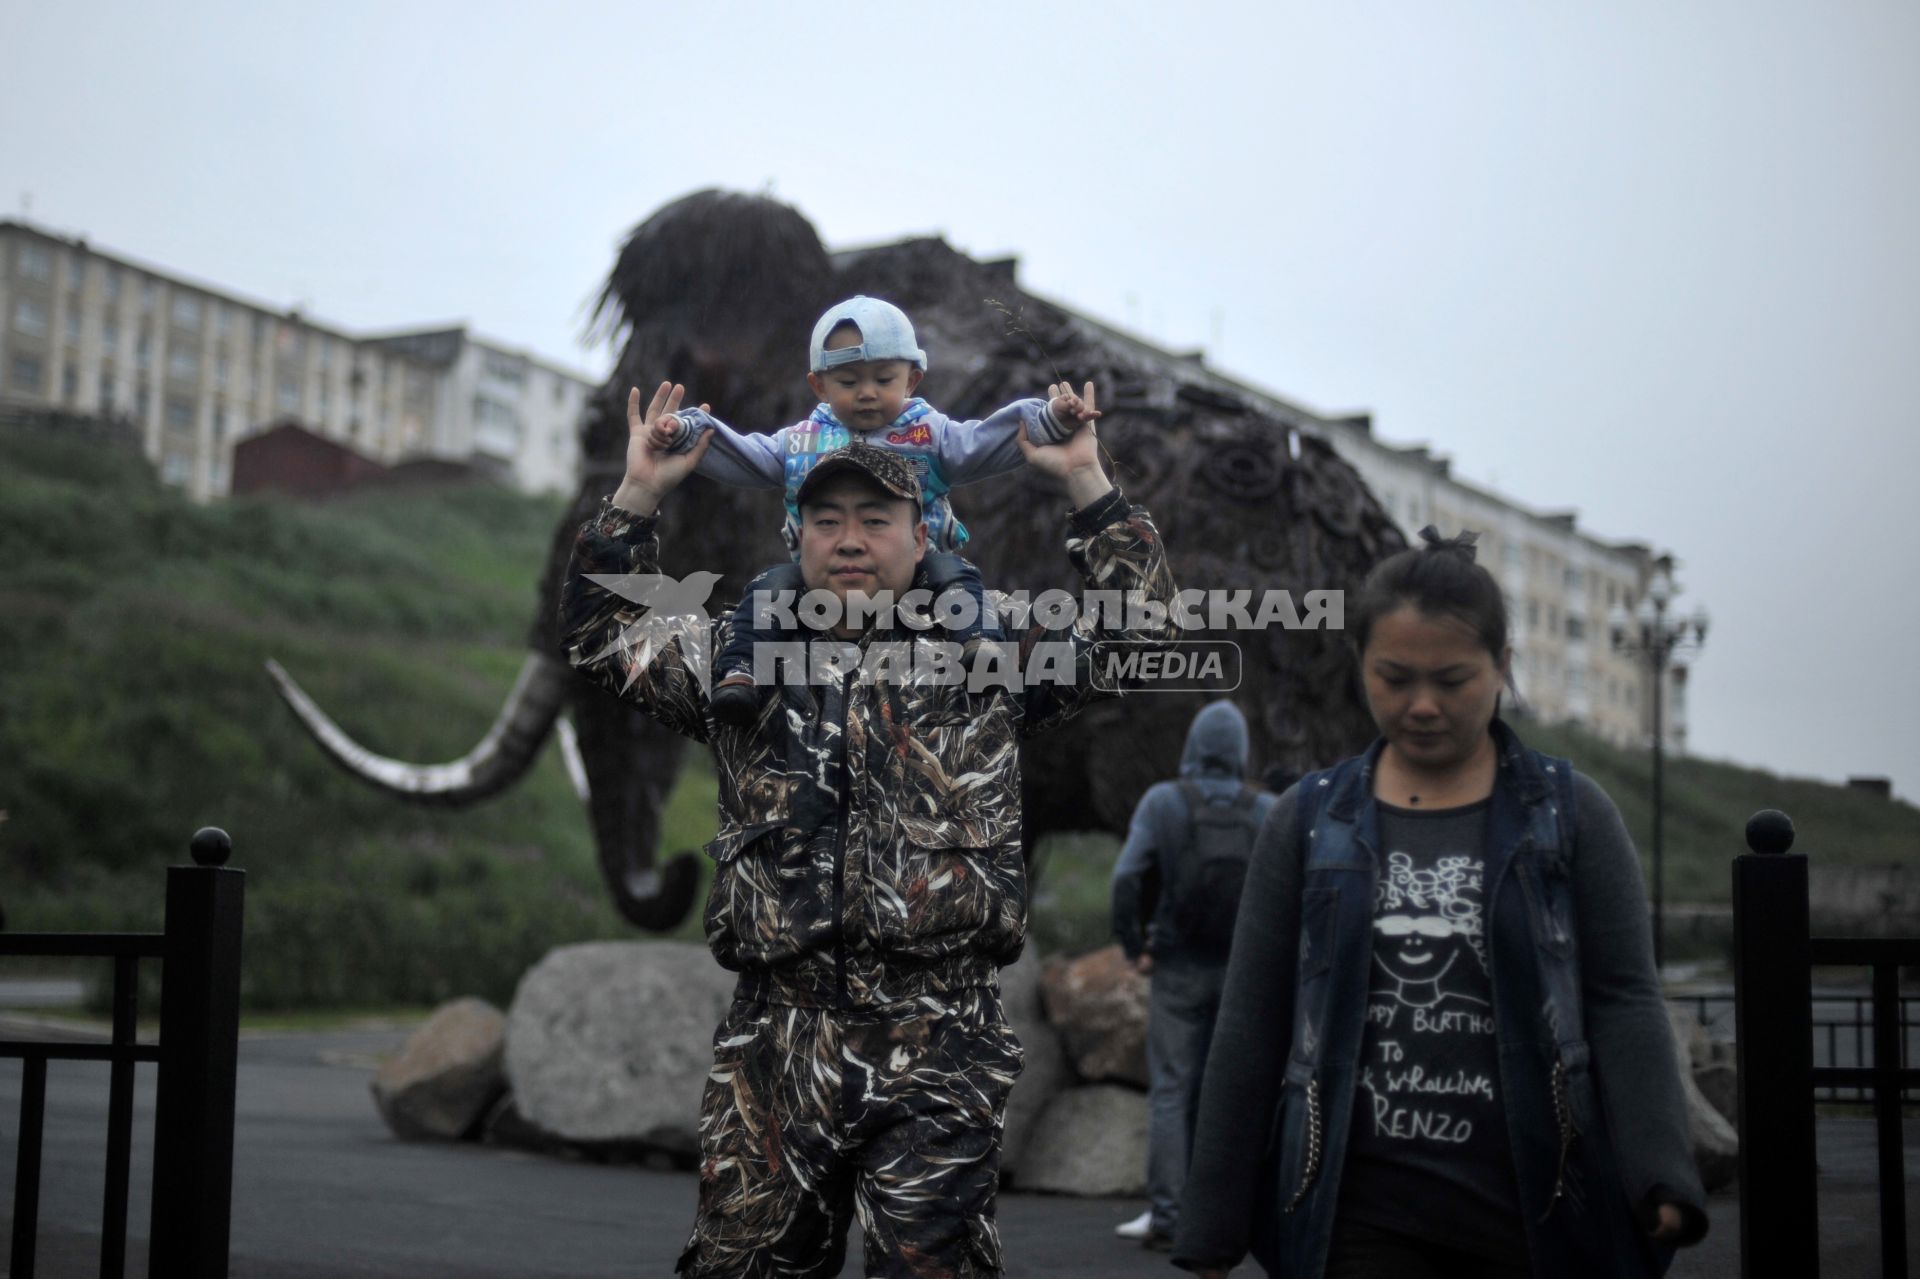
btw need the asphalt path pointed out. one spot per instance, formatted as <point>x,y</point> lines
<point>321,1189</point>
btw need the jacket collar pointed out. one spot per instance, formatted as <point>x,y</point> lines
<point>1518,770</point>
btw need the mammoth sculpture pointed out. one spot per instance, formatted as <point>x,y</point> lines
<point>719,291</point>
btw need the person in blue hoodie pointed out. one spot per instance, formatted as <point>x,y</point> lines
<point>1176,890</point>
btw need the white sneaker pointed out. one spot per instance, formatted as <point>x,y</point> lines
<point>1137,1228</point>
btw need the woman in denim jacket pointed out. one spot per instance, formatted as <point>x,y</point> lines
<point>1441,1000</point>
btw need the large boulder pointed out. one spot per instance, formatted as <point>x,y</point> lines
<point>447,1075</point>
<point>1716,1143</point>
<point>1046,1071</point>
<point>1720,1085</point>
<point>1090,1140</point>
<point>1098,1003</point>
<point>609,1043</point>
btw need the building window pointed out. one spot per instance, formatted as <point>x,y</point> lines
<point>289,395</point>
<point>70,384</point>
<point>1576,627</point>
<point>559,391</point>
<point>219,423</point>
<point>73,324</point>
<point>143,401</point>
<point>76,272</point>
<point>183,364</point>
<point>504,369</point>
<point>222,319</point>
<point>186,310</point>
<point>25,372</point>
<point>143,350</point>
<point>34,262</point>
<point>220,369</point>
<point>176,468</point>
<point>179,414</point>
<point>106,390</point>
<point>1576,581</point>
<point>149,293</point>
<point>1553,617</point>
<point>109,335</point>
<point>30,317</point>
<point>112,278</point>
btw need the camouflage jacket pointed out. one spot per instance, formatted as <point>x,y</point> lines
<point>869,846</point>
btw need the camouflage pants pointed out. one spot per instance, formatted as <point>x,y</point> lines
<point>812,1114</point>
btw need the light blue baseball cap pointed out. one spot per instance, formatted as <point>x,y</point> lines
<point>885,334</point>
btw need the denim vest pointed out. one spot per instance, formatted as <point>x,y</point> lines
<point>1574,1210</point>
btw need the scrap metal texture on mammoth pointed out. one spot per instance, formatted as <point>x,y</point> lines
<point>719,291</point>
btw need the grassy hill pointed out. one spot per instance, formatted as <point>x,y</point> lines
<point>1708,803</point>
<point>134,708</point>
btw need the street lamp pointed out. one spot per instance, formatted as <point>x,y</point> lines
<point>1657,640</point>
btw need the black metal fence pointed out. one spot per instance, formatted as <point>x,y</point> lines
<point>1774,956</point>
<point>199,953</point>
<point>1842,1025</point>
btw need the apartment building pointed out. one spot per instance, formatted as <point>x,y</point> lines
<point>197,368</point>
<point>1563,587</point>
<point>500,406</point>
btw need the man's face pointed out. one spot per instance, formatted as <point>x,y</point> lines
<point>867,394</point>
<point>858,539</point>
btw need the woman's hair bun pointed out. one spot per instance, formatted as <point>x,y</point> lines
<point>1461,543</point>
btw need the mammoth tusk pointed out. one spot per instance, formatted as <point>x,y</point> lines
<point>576,762</point>
<point>502,756</point>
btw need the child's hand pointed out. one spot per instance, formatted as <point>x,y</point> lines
<point>1068,406</point>
<point>663,428</point>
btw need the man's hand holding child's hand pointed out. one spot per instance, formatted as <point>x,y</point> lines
<point>1076,460</point>
<point>652,472</point>
<point>1068,406</point>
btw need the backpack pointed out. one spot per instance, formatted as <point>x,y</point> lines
<point>1206,892</point>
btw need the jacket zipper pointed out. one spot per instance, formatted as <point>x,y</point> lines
<point>1564,1130</point>
<point>1563,1124</point>
<point>1313,1144</point>
<point>841,998</point>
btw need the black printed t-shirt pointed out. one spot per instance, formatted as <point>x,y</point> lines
<point>1428,1156</point>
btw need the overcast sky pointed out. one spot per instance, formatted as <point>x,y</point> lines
<point>1657,262</point>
